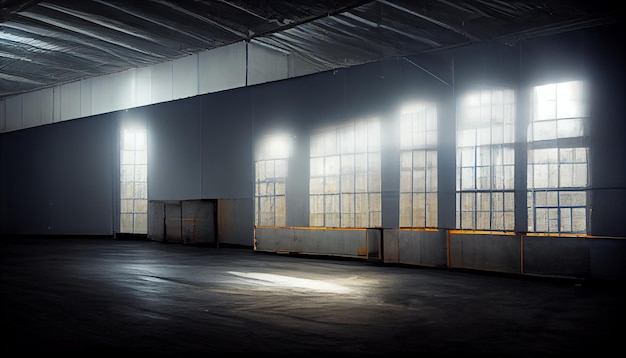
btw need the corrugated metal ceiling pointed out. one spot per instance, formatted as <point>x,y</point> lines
<point>46,43</point>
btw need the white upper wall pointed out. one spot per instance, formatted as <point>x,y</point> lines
<point>237,65</point>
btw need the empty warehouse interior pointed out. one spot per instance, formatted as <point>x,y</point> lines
<point>374,177</point>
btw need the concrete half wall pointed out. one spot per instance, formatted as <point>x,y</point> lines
<point>335,242</point>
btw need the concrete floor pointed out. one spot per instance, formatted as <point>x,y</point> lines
<point>100,296</point>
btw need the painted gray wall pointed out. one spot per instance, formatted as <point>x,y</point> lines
<point>58,179</point>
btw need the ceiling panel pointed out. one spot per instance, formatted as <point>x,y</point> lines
<point>46,43</point>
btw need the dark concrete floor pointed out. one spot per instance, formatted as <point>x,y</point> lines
<point>86,296</point>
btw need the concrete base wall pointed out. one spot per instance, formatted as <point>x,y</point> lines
<point>334,242</point>
<point>566,257</point>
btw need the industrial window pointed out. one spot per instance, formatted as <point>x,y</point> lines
<point>418,165</point>
<point>345,176</point>
<point>485,160</point>
<point>133,182</point>
<point>270,180</point>
<point>557,160</point>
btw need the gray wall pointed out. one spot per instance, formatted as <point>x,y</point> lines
<point>59,179</point>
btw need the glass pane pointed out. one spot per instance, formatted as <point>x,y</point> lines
<point>406,210</point>
<point>331,184</point>
<point>128,157</point>
<point>431,210</point>
<point>141,206</point>
<point>568,128</point>
<point>140,224</point>
<point>126,223</point>
<point>316,204</point>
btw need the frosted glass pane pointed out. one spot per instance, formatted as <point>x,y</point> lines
<point>269,169</point>
<point>374,202</point>
<point>509,221</point>
<point>405,210</point>
<point>406,160</point>
<point>280,167</point>
<point>331,184</point>
<point>509,202</point>
<point>128,157</point>
<point>362,203</point>
<point>316,186</point>
<point>419,209</point>
<point>541,220</point>
<point>497,201</point>
<point>141,206</point>
<point>127,190</point>
<point>566,175</point>
<point>375,219</point>
<point>347,203</point>
<point>140,224</point>
<point>347,164</point>
<point>127,172</point>
<point>279,188</point>
<point>541,198</point>
<point>419,180</point>
<point>126,223</point>
<point>540,179</point>
<point>317,145</point>
<point>316,167</point>
<point>579,175</point>
<point>553,175</point>
<point>331,204</point>
<point>347,183</point>
<point>569,99</point>
<point>360,162</point>
<point>280,210</point>
<point>431,180</point>
<point>373,182</point>
<point>497,221</point>
<point>483,200</point>
<point>568,128</point>
<point>141,190</point>
<point>346,140</point>
<point>331,220</point>
<point>467,138</point>
<point>509,177</point>
<point>419,159</point>
<point>467,202</point>
<point>484,136</point>
<point>467,178</point>
<point>483,178</point>
<point>405,181</point>
<point>360,183</point>
<point>316,204</point>
<point>544,130</point>
<point>331,165</point>
<point>362,220</point>
<point>579,220</point>
<point>316,220</point>
<point>544,102</point>
<point>431,210</point>
<point>126,205</point>
<point>348,220</point>
<point>141,157</point>
<point>467,157</point>
<point>373,163</point>
<point>330,143</point>
<point>467,220</point>
<point>141,172</point>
